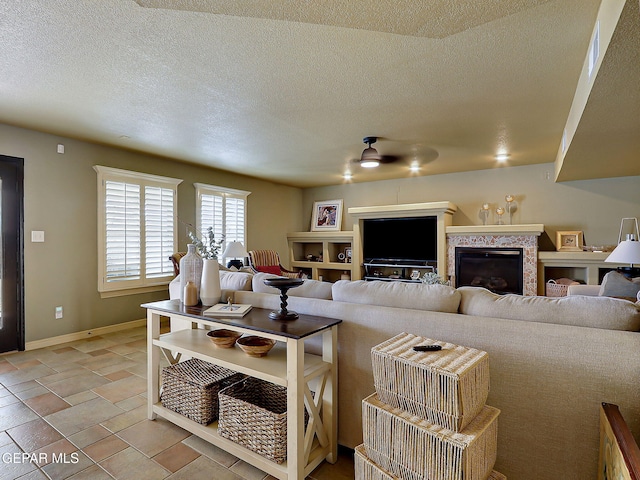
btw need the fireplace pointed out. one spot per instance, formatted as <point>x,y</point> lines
<point>497,269</point>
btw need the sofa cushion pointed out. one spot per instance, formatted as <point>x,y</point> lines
<point>614,284</point>
<point>235,280</point>
<point>310,288</point>
<point>582,311</point>
<point>416,296</point>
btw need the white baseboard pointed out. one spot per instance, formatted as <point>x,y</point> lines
<point>72,337</point>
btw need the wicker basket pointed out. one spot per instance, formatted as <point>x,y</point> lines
<point>191,388</point>
<point>367,469</point>
<point>448,387</point>
<point>414,449</point>
<point>253,413</point>
<point>559,287</point>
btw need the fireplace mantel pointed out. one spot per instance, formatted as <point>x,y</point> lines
<point>526,229</point>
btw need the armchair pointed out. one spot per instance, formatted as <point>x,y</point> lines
<point>268,261</point>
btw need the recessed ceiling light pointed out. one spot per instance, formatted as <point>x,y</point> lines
<point>347,176</point>
<point>415,167</point>
<point>502,157</point>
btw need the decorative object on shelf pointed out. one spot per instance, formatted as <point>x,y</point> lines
<point>342,257</point>
<point>210,284</point>
<point>347,254</point>
<point>510,206</point>
<point>484,213</point>
<point>559,287</point>
<point>283,284</point>
<point>570,241</point>
<point>235,251</point>
<point>190,270</point>
<point>345,276</point>
<point>255,346</point>
<point>432,278</point>
<point>628,250</point>
<point>190,294</point>
<point>228,309</point>
<point>224,338</point>
<point>415,275</point>
<point>500,213</point>
<point>327,216</point>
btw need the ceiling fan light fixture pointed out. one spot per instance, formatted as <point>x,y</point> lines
<point>370,157</point>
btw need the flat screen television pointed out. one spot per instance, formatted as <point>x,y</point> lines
<point>400,239</point>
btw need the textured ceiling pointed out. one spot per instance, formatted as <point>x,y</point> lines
<point>286,90</point>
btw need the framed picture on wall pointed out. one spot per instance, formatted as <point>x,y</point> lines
<point>571,241</point>
<point>327,216</point>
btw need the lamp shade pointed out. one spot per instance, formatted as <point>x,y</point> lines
<point>235,250</point>
<point>627,251</point>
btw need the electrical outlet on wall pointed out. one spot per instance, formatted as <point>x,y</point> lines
<point>58,313</point>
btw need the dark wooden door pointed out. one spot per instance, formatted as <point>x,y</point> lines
<point>11,254</point>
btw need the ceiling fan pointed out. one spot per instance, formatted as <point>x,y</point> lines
<point>370,157</point>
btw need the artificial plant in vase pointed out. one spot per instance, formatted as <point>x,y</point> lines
<point>208,248</point>
<point>432,278</point>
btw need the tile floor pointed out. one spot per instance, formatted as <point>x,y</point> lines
<point>78,411</point>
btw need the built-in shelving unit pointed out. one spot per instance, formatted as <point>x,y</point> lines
<point>326,250</point>
<point>443,211</point>
<point>587,267</point>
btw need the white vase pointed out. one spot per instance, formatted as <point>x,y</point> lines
<point>190,269</point>
<point>210,283</point>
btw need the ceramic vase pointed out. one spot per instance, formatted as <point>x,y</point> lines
<point>190,270</point>
<point>210,285</point>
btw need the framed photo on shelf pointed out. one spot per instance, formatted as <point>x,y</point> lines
<point>347,254</point>
<point>571,241</point>
<point>327,216</point>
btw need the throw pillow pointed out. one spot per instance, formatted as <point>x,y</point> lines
<point>273,269</point>
<point>614,284</point>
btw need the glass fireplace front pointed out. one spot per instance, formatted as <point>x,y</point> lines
<point>497,269</point>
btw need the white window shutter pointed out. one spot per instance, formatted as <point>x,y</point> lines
<point>159,231</point>
<point>122,211</point>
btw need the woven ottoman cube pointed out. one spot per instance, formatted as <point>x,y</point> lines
<point>367,469</point>
<point>191,388</point>
<point>448,387</point>
<point>412,448</point>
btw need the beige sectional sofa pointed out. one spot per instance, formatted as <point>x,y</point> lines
<point>553,361</point>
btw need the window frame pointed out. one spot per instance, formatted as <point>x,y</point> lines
<point>224,192</point>
<point>143,283</point>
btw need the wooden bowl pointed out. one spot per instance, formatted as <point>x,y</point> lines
<point>255,346</point>
<point>224,338</point>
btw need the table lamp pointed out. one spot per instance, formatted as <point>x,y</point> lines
<point>235,251</point>
<point>627,251</point>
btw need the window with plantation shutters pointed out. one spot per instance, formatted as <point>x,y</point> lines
<point>136,230</point>
<point>224,209</point>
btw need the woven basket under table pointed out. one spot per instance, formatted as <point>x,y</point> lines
<point>367,469</point>
<point>414,449</point>
<point>448,387</point>
<point>191,388</point>
<point>253,413</point>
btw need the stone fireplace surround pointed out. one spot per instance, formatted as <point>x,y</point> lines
<point>494,236</point>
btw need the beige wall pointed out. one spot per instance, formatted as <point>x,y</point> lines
<point>593,206</point>
<point>61,199</point>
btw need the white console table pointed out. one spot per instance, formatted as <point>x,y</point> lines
<point>287,364</point>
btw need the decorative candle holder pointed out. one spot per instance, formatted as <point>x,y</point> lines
<point>511,206</point>
<point>500,213</point>
<point>484,213</point>
<point>283,284</point>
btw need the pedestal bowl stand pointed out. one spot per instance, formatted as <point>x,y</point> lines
<point>283,284</point>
